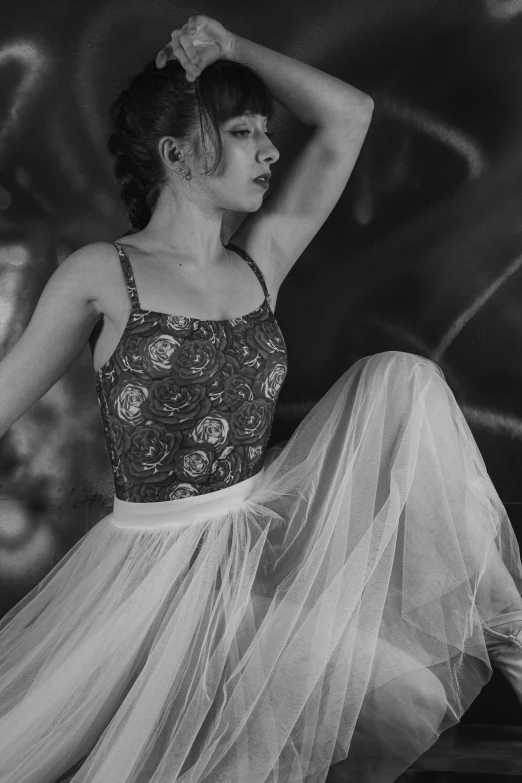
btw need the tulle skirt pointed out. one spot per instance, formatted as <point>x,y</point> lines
<point>328,609</point>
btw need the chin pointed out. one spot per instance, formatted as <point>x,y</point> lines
<point>248,204</point>
<point>258,201</point>
<point>245,206</point>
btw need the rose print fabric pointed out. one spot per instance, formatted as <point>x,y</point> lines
<point>187,404</point>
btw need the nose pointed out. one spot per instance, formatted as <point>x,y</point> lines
<point>268,152</point>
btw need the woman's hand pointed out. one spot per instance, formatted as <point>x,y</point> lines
<point>198,43</point>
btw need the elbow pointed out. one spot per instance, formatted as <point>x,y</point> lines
<point>366,106</point>
<point>365,117</point>
<point>359,108</point>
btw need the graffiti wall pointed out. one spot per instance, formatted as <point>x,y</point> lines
<point>423,252</point>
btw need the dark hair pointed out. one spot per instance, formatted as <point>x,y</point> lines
<point>162,102</point>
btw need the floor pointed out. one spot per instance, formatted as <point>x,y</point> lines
<point>473,753</point>
<point>466,753</point>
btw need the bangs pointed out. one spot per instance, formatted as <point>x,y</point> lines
<point>228,89</point>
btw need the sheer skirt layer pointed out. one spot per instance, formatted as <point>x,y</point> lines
<point>332,614</point>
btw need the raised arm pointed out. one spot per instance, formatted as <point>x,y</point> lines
<point>293,212</point>
<point>56,334</point>
<point>298,205</point>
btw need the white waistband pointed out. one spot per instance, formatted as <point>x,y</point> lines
<point>176,513</point>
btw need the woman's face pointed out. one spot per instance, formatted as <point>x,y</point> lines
<point>248,152</point>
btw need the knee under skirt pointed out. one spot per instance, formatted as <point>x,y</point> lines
<point>326,610</point>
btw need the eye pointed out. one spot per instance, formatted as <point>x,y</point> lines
<point>247,130</point>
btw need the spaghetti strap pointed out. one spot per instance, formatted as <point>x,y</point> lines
<point>129,276</point>
<point>252,264</point>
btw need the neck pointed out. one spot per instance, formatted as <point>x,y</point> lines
<point>186,230</point>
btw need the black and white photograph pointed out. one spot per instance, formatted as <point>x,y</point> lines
<point>260,391</point>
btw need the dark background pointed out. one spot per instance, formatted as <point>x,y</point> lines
<point>423,252</point>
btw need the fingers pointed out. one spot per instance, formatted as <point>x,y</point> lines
<point>186,39</point>
<point>191,63</point>
<point>164,56</point>
<point>181,48</point>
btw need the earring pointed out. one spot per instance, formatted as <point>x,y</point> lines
<point>177,156</point>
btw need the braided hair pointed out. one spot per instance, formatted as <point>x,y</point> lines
<point>160,102</point>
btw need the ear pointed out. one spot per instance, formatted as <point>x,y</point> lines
<point>169,148</point>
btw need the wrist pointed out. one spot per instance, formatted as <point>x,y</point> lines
<point>231,47</point>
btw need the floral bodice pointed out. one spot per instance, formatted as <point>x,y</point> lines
<point>187,404</point>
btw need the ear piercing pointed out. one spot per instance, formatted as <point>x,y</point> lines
<point>177,156</point>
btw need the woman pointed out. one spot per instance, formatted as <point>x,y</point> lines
<point>245,615</point>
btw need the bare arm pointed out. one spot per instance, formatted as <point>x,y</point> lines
<point>277,234</point>
<point>315,97</point>
<point>56,334</point>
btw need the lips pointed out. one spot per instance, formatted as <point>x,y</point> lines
<point>264,177</point>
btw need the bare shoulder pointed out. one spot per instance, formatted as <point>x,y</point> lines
<point>89,270</point>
